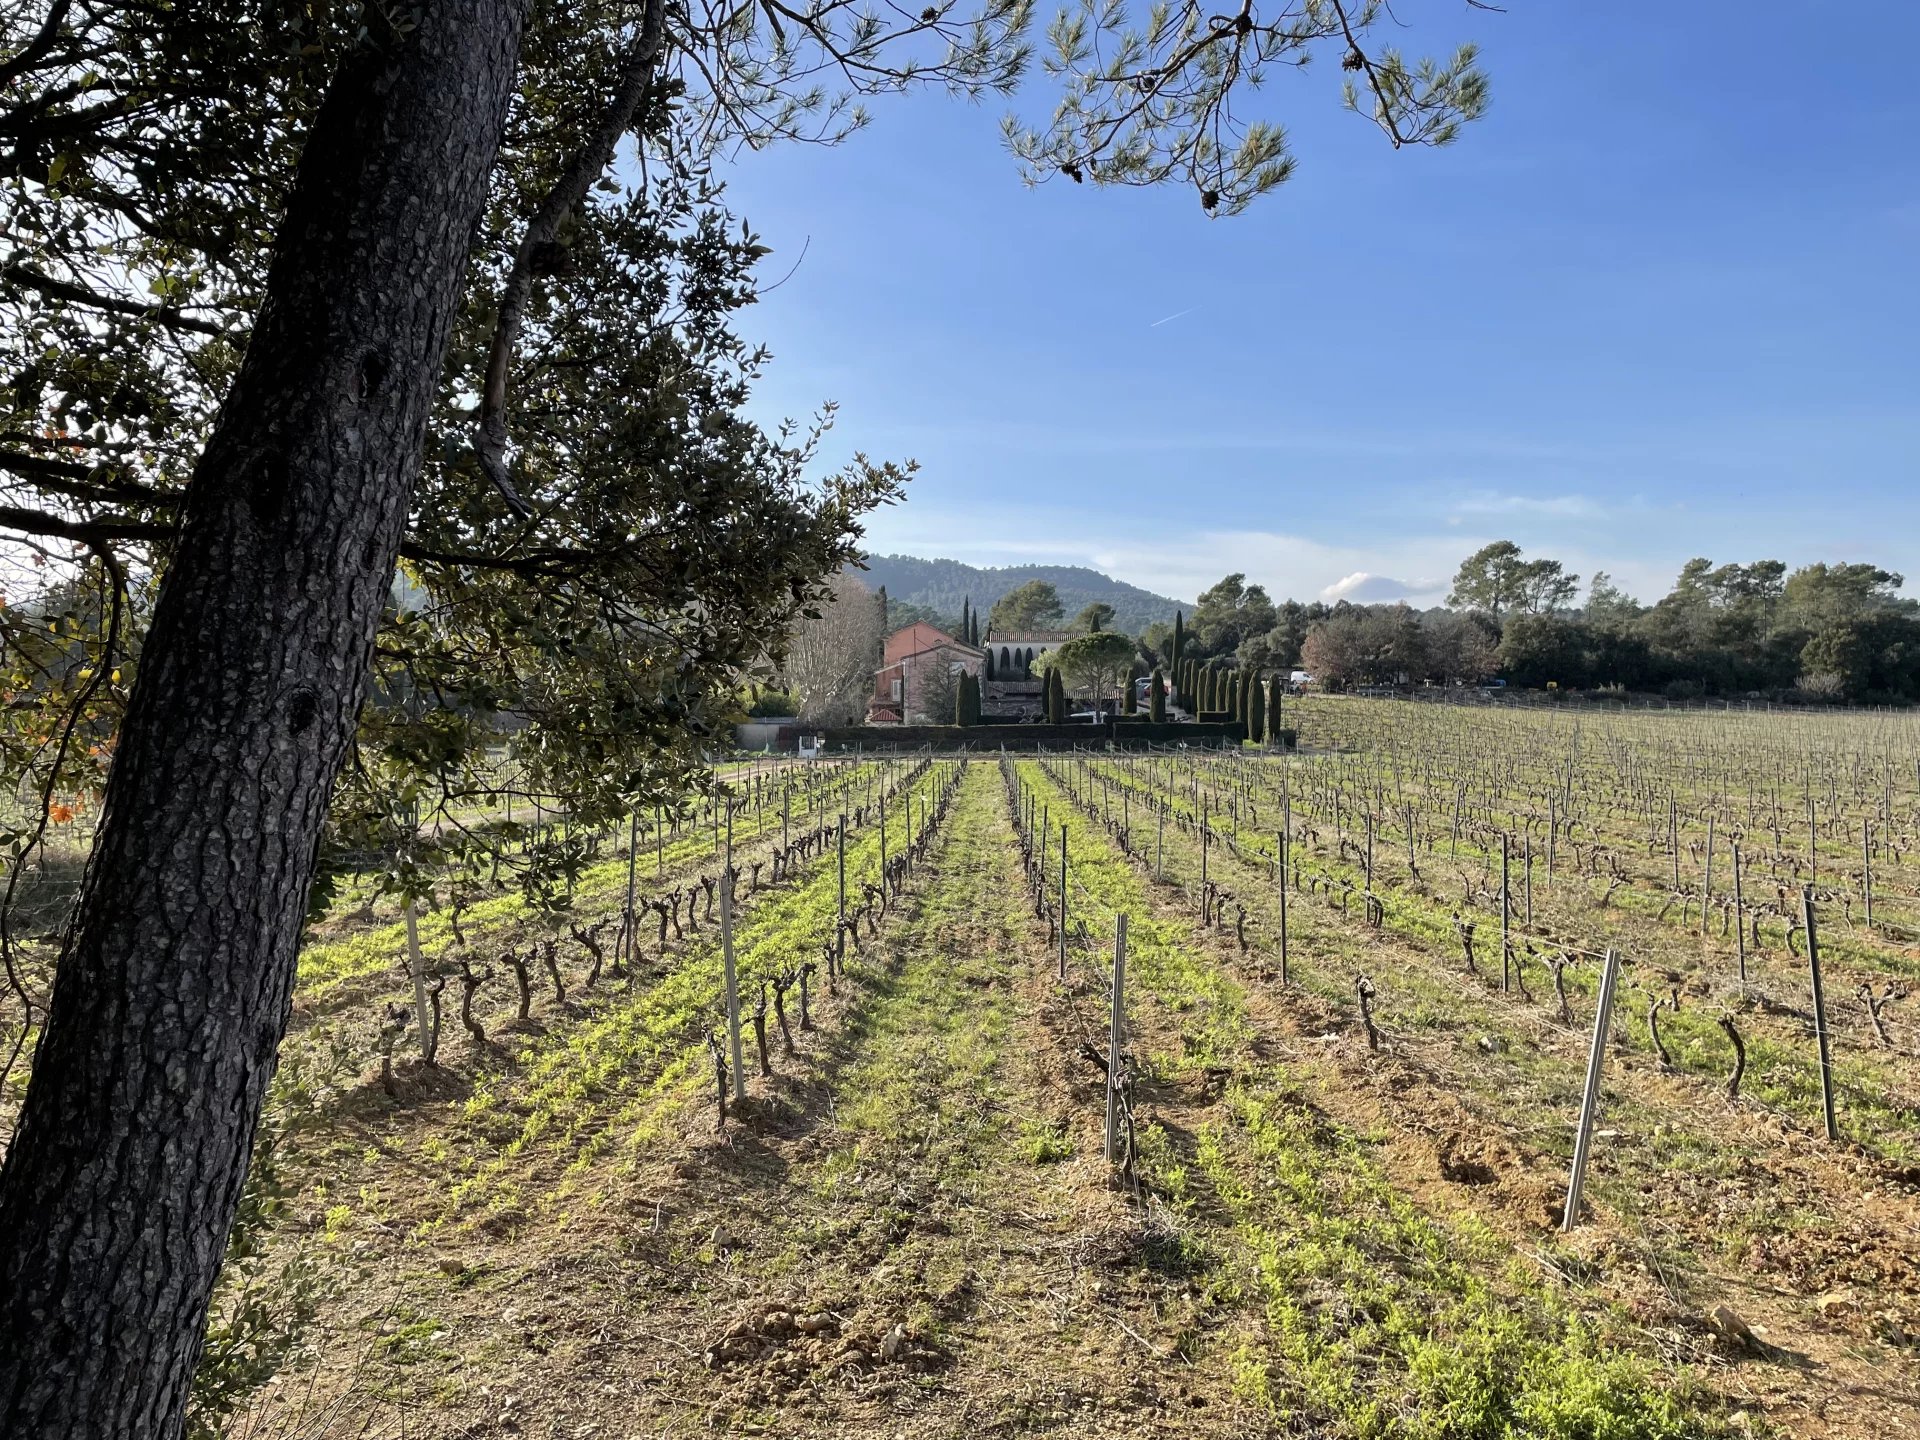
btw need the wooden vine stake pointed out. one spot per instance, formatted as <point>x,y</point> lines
<point>1590,1097</point>
<point>418,967</point>
<point>1063,899</point>
<point>628,949</point>
<point>840,923</point>
<point>1506,906</point>
<point>1673,837</point>
<point>1116,1036</point>
<point>1819,1013</point>
<point>1739,918</point>
<point>1281,850</point>
<point>1866,867</point>
<point>1203,847</point>
<point>733,985</point>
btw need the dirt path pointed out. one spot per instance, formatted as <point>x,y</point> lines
<point>907,1230</point>
<point>930,1193</point>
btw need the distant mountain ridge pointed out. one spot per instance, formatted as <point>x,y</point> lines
<point>941,585</point>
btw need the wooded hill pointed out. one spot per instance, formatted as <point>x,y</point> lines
<point>940,586</point>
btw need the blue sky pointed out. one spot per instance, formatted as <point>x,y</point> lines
<point>1660,302</point>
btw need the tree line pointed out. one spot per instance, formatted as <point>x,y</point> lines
<point>1823,631</point>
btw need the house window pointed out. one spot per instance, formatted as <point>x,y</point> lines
<point>896,687</point>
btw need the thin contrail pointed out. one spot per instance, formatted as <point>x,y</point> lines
<point>1188,311</point>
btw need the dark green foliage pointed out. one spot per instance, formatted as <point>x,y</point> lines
<point>1093,618</point>
<point>1229,613</point>
<point>1157,698</point>
<point>1032,606</point>
<point>1056,693</point>
<point>772,703</point>
<point>1096,662</point>
<point>1256,717</point>
<point>1130,699</point>
<point>1497,580</point>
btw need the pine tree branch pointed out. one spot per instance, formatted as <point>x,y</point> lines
<point>587,164</point>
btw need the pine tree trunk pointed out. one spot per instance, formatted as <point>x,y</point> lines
<point>173,989</point>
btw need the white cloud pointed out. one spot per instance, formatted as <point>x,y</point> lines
<point>1363,588</point>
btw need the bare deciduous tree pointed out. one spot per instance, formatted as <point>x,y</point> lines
<point>833,654</point>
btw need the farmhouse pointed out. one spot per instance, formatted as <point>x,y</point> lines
<point>919,667</point>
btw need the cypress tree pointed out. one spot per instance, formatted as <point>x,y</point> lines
<point>1056,699</point>
<point>1130,701</point>
<point>966,621</point>
<point>989,664</point>
<point>1179,642</point>
<point>1257,713</point>
<point>1157,699</point>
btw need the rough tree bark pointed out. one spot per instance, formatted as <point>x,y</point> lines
<point>174,985</point>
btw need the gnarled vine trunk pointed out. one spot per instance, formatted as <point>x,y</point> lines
<point>173,989</point>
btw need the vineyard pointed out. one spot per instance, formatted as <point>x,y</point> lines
<point>1197,1092</point>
